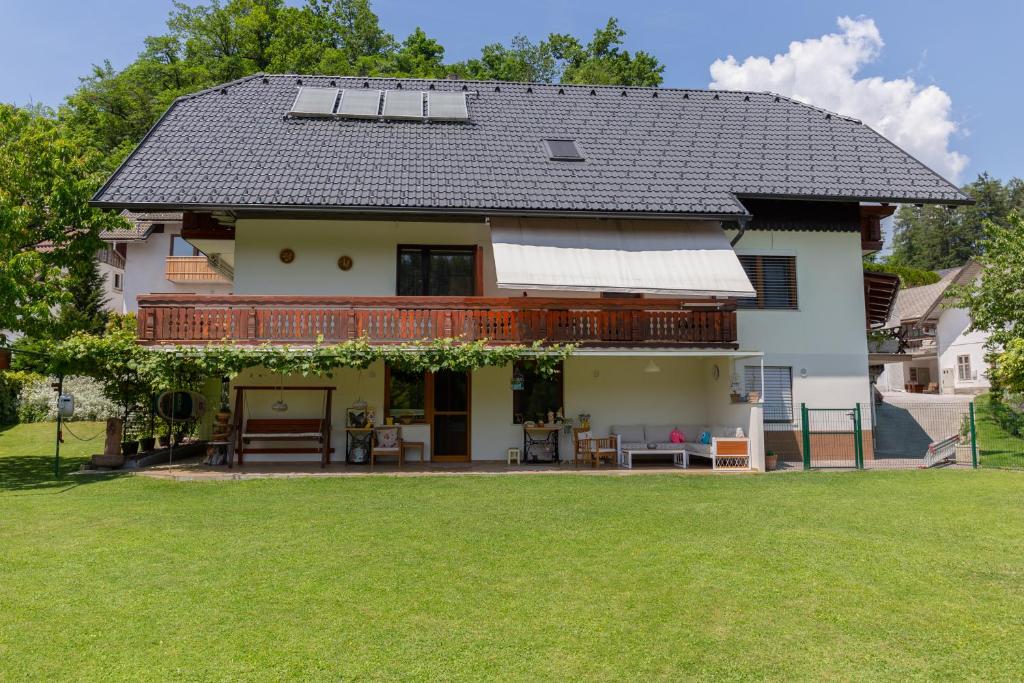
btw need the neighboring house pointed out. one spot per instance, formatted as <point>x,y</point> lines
<point>155,259</point>
<point>940,354</point>
<point>695,244</point>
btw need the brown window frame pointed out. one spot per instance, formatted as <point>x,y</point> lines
<point>517,394</point>
<point>475,249</point>
<point>425,419</point>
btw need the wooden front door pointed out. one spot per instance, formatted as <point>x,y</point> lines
<point>449,396</point>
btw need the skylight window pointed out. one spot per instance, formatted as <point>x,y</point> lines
<point>563,149</point>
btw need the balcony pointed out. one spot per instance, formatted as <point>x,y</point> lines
<point>200,319</point>
<point>192,269</point>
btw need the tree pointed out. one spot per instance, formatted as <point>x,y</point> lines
<point>909,277</point>
<point>46,180</point>
<point>996,301</point>
<point>934,237</point>
<point>563,58</point>
<point>86,308</point>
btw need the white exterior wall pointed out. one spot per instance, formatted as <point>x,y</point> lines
<point>115,297</point>
<point>823,342</point>
<point>612,390</point>
<point>954,340</point>
<point>145,271</point>
<point>371,244</point>
<point>825,337</point>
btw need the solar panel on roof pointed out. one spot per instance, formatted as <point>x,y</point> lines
<point>447,106</point>
<point>314,102</point>
<point>359,104</point>
<point>403,104</point>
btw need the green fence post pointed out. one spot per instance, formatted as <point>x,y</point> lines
<point>806,426</point>
<point>858,439</point>
<point>974,437</point>
<point>60,420</point>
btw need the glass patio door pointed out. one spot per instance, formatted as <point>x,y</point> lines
<point>450,396</point>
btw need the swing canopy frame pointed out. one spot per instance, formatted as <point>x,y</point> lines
<point>283,429</point>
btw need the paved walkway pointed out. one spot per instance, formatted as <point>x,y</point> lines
<point>196,471</point>
<point>906,424</point>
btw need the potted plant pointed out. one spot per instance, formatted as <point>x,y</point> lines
<point>148,443</point>
<point>164,434</point>
<point>771,461</point>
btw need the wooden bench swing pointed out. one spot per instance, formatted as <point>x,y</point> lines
<point>282,429</point>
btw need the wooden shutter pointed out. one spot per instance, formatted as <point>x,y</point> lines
<point>778,390</point>
<point>774,280</point>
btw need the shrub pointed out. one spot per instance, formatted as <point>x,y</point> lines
<point>38,401</point>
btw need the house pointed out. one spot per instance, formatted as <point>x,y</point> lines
<point>941,354</point>
<point>702,248</point>
<point>150,256</point>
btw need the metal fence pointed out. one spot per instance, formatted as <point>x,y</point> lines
<point>1000,431</point>
<point>920,431</point>
<point>912,432</point>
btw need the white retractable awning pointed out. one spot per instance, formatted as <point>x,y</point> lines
<point>673,258</point>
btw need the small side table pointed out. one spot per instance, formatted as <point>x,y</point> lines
<point>406,445</point>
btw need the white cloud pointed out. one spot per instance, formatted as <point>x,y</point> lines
<point>823,72</point>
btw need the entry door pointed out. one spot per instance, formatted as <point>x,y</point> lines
<point>450,398</point>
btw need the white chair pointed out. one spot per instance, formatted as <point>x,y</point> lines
<point>515,453</point>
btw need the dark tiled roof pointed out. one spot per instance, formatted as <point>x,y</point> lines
<point>142,222</point>
<point>647,151</point>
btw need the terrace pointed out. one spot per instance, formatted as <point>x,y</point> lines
<point>200,319</point>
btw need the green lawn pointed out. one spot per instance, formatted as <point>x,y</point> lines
<point>996,447</point>
<point>861,575</point>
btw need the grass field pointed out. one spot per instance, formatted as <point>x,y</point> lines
<point>996,447</point>
<point>866,575</point>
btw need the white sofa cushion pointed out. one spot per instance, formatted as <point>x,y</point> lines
<point>658,433</point>
<point>630,433</point>
<point>698,448</point>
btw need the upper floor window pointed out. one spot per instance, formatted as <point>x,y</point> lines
<point>774,280</point>
<point>179,247</point>
<point>963,368</point>
<point>437,271</point>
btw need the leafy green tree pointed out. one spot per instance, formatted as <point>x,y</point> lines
<point>563,58</point>
<point>996,302</point>
<point>46,180</point>
<point>934,237</point>
<point>909,277</point>
<point>521,60</point>
<point>86,307</point>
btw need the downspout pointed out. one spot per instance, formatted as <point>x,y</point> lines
<point>743,221</point>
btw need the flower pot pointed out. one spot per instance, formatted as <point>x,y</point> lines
<point>129,448</point>
<point>147,444</point>
<point>771,462</point>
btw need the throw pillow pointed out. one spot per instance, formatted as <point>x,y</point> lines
<point>705,437</point>
<point>739,433</point>
<point>387,437</point>
<point>677,436</point>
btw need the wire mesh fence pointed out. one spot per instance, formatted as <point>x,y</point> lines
<point>911,432</point>
<point>921,431</point>
<point>999,425</point>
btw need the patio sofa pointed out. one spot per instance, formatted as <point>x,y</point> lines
<point>725,444</point>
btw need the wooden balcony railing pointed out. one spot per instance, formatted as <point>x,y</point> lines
<point>192,269</point>
<point>199,319</point>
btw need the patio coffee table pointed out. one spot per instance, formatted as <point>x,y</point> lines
<point>680,458</point>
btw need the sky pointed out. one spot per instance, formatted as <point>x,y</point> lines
<point>939,78</point>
